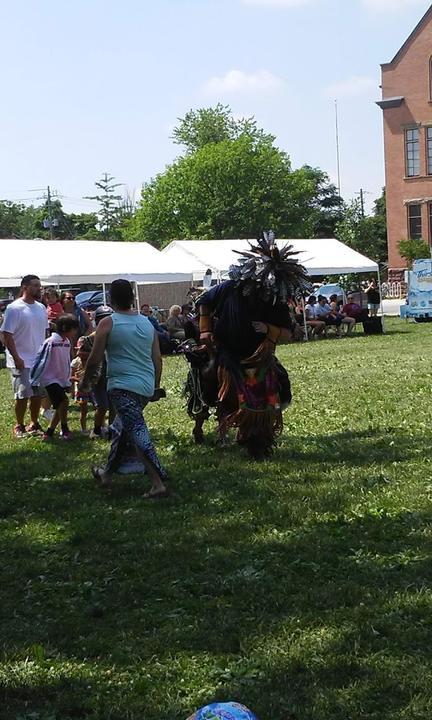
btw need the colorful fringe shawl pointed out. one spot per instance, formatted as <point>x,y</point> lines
<point>253,389</point>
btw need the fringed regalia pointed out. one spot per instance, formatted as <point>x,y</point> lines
<point>241,322</point>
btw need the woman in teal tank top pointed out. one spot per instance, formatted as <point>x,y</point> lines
<point>134,368</point>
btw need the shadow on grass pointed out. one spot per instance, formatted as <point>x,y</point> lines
<point>354,447</point>
<point>317,619</point>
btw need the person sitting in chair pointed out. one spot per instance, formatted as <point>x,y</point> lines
<point>316,326</point>
<point>324,312</point>
<point>354,310</point>
<point>335,306</point>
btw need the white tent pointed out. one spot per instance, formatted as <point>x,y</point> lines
<point>320,257</point>
<point>70,262</point>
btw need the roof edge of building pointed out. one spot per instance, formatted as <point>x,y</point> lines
<point>422,22</point>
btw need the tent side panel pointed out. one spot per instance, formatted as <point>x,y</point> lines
<point>312,271</point>
<point>163,295</point>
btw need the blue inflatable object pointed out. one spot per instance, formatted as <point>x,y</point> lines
<point>224,711</point>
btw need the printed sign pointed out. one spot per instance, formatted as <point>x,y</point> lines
<point>420,286</point>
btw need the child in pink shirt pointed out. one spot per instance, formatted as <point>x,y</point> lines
<point>52,371</point>
<point>54,307</point>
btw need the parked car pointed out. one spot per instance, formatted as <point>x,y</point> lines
<point>4,302</point>
<point>92,299</point>
<point>331,289</point>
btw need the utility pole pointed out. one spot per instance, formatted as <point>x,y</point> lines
<point>50,223</point>
<point>49,208</point>
<point>362,208</point>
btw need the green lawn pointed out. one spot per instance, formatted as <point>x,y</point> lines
<point>300,586</point>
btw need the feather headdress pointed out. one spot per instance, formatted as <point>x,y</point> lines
<point>274,273</point>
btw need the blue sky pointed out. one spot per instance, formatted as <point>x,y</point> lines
<point>97,85</point>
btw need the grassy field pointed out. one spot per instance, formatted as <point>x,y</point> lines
<point>300,586</point>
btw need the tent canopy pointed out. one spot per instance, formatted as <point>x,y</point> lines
<point>69,262</point>
<point>320,257</point>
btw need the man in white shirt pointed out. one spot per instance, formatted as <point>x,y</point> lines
<point>24,330</point>
<point>324,312</point>
<point>315,326</point>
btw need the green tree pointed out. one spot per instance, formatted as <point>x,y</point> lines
<point>207,126</point>
<point>83,226</point>
<point>232,188</point>
<point>413,250</point>
<point>11,219</point>
<point>22,221</point>
<point>366,234</point>
<point>110,210</point>
<point>326,204</point>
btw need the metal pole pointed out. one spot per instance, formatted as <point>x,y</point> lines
<point>104,293</point>
<point>50,220</point>
<point>381,301</point>
<point>337,148</point>
<point>137,297</point>
<point>304,319</point>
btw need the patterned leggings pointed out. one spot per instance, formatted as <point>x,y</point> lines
<point>130,428</point>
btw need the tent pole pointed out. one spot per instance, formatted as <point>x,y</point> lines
<point>381,301</point>
<point>137,297</point>
<point>304,319</point>
<point>104,293</point>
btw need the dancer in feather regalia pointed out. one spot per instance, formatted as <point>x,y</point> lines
<point>234,367</point>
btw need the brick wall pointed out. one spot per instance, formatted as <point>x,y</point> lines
<point>407,76</point>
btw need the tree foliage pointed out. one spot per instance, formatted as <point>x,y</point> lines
<point>110,207</point>
<point>214,125</point>
<point>413,250</point>
<point>232,182</point>
<point>12,219</point>
<point>366,234</point>
<point>20,221</point>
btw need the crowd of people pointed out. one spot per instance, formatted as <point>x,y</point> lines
<point>112,361</point>
<point>52,346</point>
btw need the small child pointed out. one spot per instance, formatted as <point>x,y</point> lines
<point>52,370</point>
<point>78,365</point>
<point>51,300</point>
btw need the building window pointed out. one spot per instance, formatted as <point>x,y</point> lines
<point>429,150</point>
<point>412,151</point>
<point>430,224</point>
<point>414,222</point>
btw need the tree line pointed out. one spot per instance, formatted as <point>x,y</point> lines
<point>229,181</point>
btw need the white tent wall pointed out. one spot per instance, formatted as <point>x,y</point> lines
<point>320,257</point>
<point>74,262</point>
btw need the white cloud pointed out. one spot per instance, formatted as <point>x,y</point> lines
<point>276,3</point>
<point>352,87</point>
<point>390,5</point>
<point>238,81</point>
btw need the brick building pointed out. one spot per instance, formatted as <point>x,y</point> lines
<point>407,111</point>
